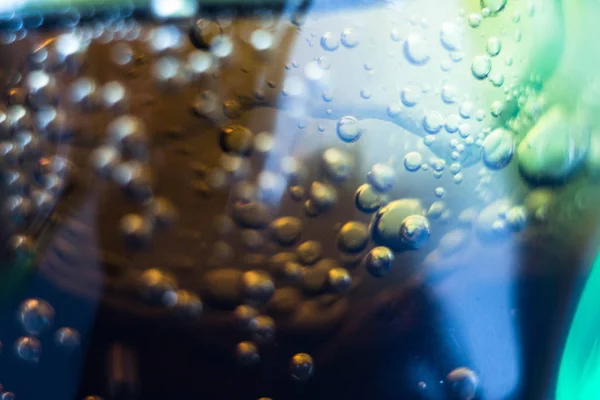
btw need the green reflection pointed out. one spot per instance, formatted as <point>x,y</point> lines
<point>579,375</point>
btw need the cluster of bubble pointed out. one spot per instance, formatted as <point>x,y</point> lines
<point>36,317</point>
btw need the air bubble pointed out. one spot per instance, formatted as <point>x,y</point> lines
<point>379,260</point>
<point>329,42</point>
<point>338,165</point>
<point>413,161</point>
<point>450,36</point>
<point>416,50</point>
<point>481,67</point>
<point>493,46</point>
<point>353,237</point>
<point>367,199</point>
<point>381,177</point>
<point>301,367</point>
<point>36,316</point>
<point>28,349</point>
<point>415,231</point>
<point>433,122</point>
<point>464,383</point>
<point>339,280</point>
<point>348,129</point>
<point>349,38</point>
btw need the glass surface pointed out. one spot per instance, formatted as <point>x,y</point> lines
<point>300,200</point>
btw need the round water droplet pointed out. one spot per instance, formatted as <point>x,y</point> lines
<point>262,328</point>
<point>416,50</point>
<point>67,338</point>
<point>493,46</point>
<point>349,38</point>
<point>494,6</point>
<point>329,42</point>
<point>387,223</point>
<point>450,36</point>
<point>36,316</point>
<point>464,383</point>
<point>449,94</point>
<point>353,237</point>
<point>497,108</point>
<point>440,192</point>
<point>339,280</point>
<point>367,199</point>
<point>348,129</point>
<point>236,139</point>
<point>409,96</point>
<point>498,148</point>
<point>415,231</point>
<point>309,252</point>
<point>497,79</point>
<point>381,177</point>
<point>379,261</point>
<point>28,349</point>
<point>136,230</point>
<point>157,287</point>
<point>474,20</point>
<point>481,67</point>
<point>301,367</point>
<point>246,353</point>
<point>258,286</point>
<point>261,39</point>
<point>413,161</point>
<point>433,122</point>
<point>322,195</point>
<point>338,164</point>
<point>221,46</point>
<point>286,230</point>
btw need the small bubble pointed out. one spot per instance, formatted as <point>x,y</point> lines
<point>367,199</point>
<point>395,35</point>
<point>413,161</point>
<point>353,237</point>
<point>246,353</point>
<point>309,252</point>
<point>415,231</point>
<point>28,349</point>
<point>481,67</point>
<point>339,280</point>
<point>261,39</point>
<point>463,383</point>
<point>36,316</point>
<point>157,287</point>
<point>262,328</point>
<point>409,96</point>
<point>349,38</point>
<point>474,20</point>
<point>433,122</point>
<point>516,218</point>
<point>379,260</point>
<point>416,50</point>
<point>338,165</point>
<point>365,94</point>
<point>381,177</point>
<point>136,230</point>
<point>301,367</point>
<point>258,286</point>
<point>286,230</point>
<point>493,46</point>
<point>498,148</point>
<point>67,338</point>
<point>348,129</point>
<point>329,42</point>
<point>494,6</point>
<point>221,46</point>
<point>449,94</point>
<point>497,108</point>
<point>450,36</point>
<point>497,79</point>
<point>440,192</point>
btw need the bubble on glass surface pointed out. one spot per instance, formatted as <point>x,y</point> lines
<point>498,148</point>
<point>322,195</point>
<point>474,20</point>
<point>121,54</point>
<point>28,349</point>
<point>162,211</point>
<point>157,287</point>
<point>113,95</point>
<point>329,42</point>
<point>221,46</point>
<point>497,108</point>
<point>450,36</point>
<point>413,161</point>
<point>36,316</point>
<point>453,241</point>
<point>481,67</point>
<point>258,286</point>
<point>262,328</point>
<point>309,252</point>
<point>301,367</point>
<point>18,209</point>
<point>165,37</point>
<point>243,314</point>
<point>168,70</point>
<point>8,396</point>
<point>253,214</point>
<point>463,383</point>
<point>42,90</point>
<point>246,353</point>
<point>327,97</point>
<point>378,261</point>
<point>395,35</point>
<point>433,122</point>
<point>261,40</point>
<point>349,38</point>
<point>67,338</point>
<point>339,280</point>
<point>338,164</point>
<point>285,231</point>
<point>367,199</point>
<point>236,139</point>
<point>387,223</point>
<point>516,218</point>
<point>452,123</point>
<point>353,237</point>
<point>199,62</point>
<point>449,93</point>
<point>488,225</point>
<point>128,134</point>
<point>348,129</point>
<point>409,96</point>
<point>83,92</point>
<point>365,94</point>
<point>381,177</point>
<point>136,230</point>
<point>497,79</point>
<point>493,46</point>
<point>436,209</point>
<point>440,192</point>
<point>416,50</point>
<point>415,231</point>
